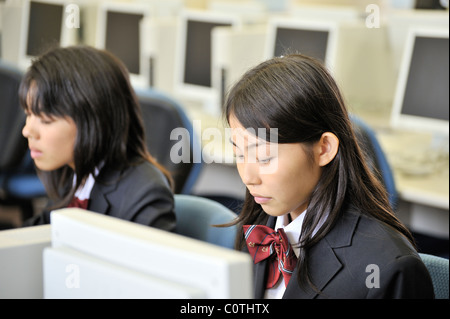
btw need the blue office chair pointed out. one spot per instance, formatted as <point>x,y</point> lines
<point>376,158</point>
<point>12,144</point>
<point>196,215</point>
<point>162,115</point>
<point>438,268</point>
<point>19,184</point>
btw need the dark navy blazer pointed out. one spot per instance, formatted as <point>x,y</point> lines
<point>359,258</point>
<point>139,194</point>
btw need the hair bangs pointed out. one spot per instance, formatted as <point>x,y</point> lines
<point>254,110</point>
<point>35,98</point>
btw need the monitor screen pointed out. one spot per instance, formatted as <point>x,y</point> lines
<point>431,4</point>
<point>313,38</point>
<point>309,42</point>
<point>194,70</point>
<point>426,92</point>
<point>197,66</point>
<point>123,38</point>
<point>44,27</point>
<point>422,96</point>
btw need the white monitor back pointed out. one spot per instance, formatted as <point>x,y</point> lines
<point>249,11</point>
<point>97,256</point>
<point>235,51</point>
<point>329,12</point>
<point>21,261</point>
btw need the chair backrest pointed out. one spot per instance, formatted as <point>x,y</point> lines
<point>438,267</point>
<point>161,116</point>
<point>13,145</point>
<point>375,156</point>
<point>196,217</point>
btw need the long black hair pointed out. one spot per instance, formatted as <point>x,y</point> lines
<point>92,87</point>
<point>297,95</point>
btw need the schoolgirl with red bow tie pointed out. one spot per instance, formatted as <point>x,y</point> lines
<point>316,220</point>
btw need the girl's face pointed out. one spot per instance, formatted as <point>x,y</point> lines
<point>51,140</point>
<point>280,182</point>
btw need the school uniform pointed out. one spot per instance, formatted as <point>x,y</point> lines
<point>359,258</point>
<point>139,194</point>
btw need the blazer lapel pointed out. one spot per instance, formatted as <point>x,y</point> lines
<point>323,265</point>
<point>322,262</point>
<point>98,201</point>
<point>105,184</point>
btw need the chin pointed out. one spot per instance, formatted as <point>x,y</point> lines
<point>46,167</point>
<point>273,212</point>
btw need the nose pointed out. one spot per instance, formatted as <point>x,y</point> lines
<point>249,173</point>
<point>28,130</point>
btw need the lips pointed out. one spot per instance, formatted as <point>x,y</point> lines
<point>261,199</point>
<point>35,153</point>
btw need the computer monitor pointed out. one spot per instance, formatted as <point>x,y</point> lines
<point>33,26</point>
<point>98,256</point>
<point>193,78</point>
<point>314,38</point>
<point>21,268</point>
<point>118,31</point>
<point>399,23</point>
<point>431,4</point>
<point>421,98</point>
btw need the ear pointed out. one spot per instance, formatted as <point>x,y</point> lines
<point>327,147</point>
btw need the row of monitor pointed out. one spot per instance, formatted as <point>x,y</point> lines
<point>421,97</point>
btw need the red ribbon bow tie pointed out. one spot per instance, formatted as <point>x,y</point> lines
<point>263,242</point>
<point>80,203</point>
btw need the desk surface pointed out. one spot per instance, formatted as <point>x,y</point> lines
<point>421,171</point>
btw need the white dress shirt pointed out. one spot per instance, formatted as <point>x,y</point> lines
<point>84,191</point>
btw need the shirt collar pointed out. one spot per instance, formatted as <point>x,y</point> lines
<point>84,191</point>
<point>292,229</point>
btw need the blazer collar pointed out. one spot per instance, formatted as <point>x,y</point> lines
<point>105,184</point>
<point>323,263</point>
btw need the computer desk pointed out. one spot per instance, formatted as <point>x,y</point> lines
<point>421,173</point>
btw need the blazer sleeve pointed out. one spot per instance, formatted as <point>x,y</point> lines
<point>404,278</point>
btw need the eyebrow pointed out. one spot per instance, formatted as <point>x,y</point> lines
<point>249,146</point>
